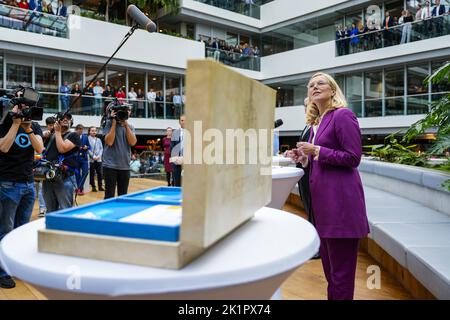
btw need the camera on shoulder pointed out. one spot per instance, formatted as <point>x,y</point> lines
<point>121,109</point>
<point>26,99</point>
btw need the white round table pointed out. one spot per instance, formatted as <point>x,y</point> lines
<point>284,180</point>
<point>282,161</point>
<point>251,263</point>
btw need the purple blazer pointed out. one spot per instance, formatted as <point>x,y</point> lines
<point>337,193</point>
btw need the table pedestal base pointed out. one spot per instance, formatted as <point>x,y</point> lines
<point>257,290</point>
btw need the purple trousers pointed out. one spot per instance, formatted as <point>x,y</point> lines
<point>339,257</point>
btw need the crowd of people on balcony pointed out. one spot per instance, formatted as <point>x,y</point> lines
<point>239,55</point>
<point>428,21</point>
<point>97,96</point>
<point>55,7</point>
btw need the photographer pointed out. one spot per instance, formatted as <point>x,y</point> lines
<point>20,138</point>
<point>62,149</point>
<point>119,138</point>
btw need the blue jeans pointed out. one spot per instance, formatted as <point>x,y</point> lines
<point>59,195</point>
<point>16,206</point>
<point>82,173</point>
<point>41,201</point>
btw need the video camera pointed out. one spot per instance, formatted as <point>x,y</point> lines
<point>120,108</point>
<point>45,170</point>
<point>20,97</point>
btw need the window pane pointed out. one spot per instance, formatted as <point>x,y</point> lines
<point>373,85</point>
<point>353,86</point>
<point>300,92</point>
<point>285,95</point>
<point>136,93</point>
<point>232,39</point>
<point>72,77</point>
<point>356,107</point>
<point>117,79</point>
<point>18,75</point>
<point>395,8</point>
<point>156,84</point>
<point>416,77</point>
<point>46,79</point>
<point>418,104</point>
<point>91,71</point>
<point>395,106</point>
<point>443,86</point>
<point>354,17</point>
<point>373,108</point>
<point>394,81</point>
<point>172,92</point>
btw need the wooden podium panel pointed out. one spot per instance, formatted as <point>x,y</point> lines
<point>218,195</point>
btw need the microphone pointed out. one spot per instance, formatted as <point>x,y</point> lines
<point>278,123</point>
<point>140,18</point>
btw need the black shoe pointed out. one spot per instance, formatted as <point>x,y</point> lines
<point>101,189</point>
<point>7,282</point>
<point>94,189</point>
<point>316,256</point>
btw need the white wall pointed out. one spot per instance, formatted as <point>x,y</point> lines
<point>322,56</point>
<point>282,10</point>
<point>294,118</point>
<point>99,38</point>
<point>220,13</point>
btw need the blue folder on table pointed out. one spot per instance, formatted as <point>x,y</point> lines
<point>153,214</point>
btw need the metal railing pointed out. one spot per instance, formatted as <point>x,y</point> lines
<point>33,21</point>
<point>415,104</point>
<point>400,34</point>
<point>89,105</point>
<point>235,59</point>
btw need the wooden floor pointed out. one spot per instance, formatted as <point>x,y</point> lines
<point>307,282</point>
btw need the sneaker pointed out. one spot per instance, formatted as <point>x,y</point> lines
<point>94,189</point>
<point>42,212</point>
<point>7,282</point>
<point>101,189</point>
<point>80,193</point>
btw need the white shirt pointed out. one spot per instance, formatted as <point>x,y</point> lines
<point>426,13</point>
<point>132,95</point>
<point>151,96</point>
<point>98,91</point>
<point>177,99</point>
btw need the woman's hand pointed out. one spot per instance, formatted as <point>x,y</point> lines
<point>295,154</point>
<point>307,148</point>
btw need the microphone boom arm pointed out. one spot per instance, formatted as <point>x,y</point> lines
<point>124,40</point>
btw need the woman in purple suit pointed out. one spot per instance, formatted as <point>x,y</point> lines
<point>333,154</point>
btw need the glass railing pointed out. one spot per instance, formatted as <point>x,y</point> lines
<point>89,105</point>
<point>33,21</point>
<point>393,106</point>
<point>235,59</point>
<point>251,8</point>
<point>404,33</point>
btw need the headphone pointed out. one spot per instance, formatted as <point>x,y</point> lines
<point>61,115</point>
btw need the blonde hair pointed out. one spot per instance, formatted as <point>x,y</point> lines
<point>338,100</point>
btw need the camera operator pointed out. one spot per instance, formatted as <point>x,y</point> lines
<point>119,138</point>
<point>63,146</point>
<point>50,122</point>
<point>19,139</point>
